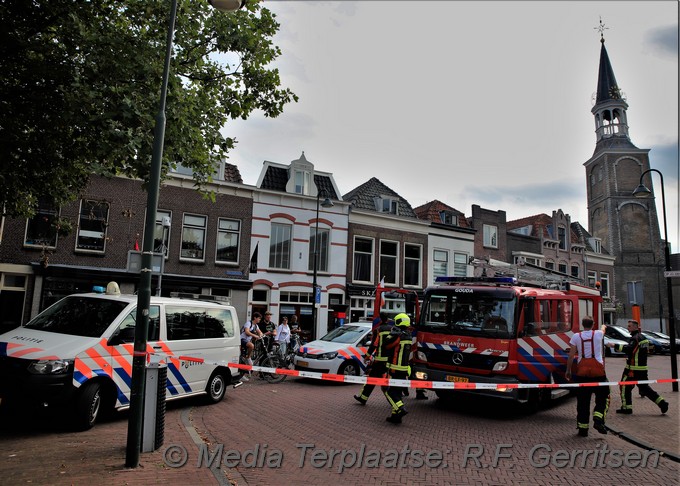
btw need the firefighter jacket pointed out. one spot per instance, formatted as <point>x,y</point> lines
<point>377,345</point>
<point>636,349</point>
<point>397,346</point>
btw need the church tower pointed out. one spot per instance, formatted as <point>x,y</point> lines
<point>626,226</point>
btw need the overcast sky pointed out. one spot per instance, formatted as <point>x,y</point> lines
<point>468,102</point>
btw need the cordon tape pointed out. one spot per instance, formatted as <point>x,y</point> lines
<point>411,383</point>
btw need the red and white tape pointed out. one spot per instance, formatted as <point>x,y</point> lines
<point>362,380</point>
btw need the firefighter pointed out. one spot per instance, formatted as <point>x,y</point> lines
<point>636,369</point>
<point>398,345</point>
<point>374,357</point>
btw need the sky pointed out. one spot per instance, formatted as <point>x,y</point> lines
<point>468,103</point>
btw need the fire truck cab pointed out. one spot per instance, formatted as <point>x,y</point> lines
<point>496,330</point>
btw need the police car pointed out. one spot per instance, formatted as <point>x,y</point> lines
<point>339,352</point>
<point>79,351</point>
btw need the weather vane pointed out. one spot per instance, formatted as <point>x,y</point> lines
<point>601,28</point>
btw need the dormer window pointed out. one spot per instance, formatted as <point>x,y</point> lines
<point>447,217</point>
<point>385,204</point>
<point>303,181</point>
<point>596,244</point>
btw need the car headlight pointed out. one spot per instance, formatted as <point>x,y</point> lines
<point>49,367</point>
<point>332,355</point>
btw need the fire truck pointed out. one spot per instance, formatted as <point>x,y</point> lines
<point>503,329</point>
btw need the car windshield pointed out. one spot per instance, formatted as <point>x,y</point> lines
<point>78,316</point>
<point>345,334</point>
<point>622,330</point>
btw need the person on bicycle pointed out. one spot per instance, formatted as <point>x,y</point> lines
<point>249,332</point>
<point>283,336</point>
<point>268,328</point>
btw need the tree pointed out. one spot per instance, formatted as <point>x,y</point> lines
<point>80,84</point>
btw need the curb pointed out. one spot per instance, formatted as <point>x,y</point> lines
<point>223,475</point>
<point>633,440</point>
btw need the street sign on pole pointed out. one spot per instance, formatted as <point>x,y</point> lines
<point>671,273</point>
<point>317,297</point>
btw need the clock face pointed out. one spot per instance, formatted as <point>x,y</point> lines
<point>615,92</point>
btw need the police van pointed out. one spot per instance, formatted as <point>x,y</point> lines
<point>78,352</point>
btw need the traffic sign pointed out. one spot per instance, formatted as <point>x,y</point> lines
<point>671,273</point>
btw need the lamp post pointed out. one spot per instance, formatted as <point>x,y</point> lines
<point>327,203</point>
<point>642,191</point>
<point>137,385</point>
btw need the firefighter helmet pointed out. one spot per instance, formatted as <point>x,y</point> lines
<point>402,320</point>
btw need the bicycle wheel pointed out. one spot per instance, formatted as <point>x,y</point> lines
<point>272,361</point>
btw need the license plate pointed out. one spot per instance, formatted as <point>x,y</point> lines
<point>303,363</point>
<point>457,379</point>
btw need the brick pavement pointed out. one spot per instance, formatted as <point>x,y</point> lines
<point>43,451</point>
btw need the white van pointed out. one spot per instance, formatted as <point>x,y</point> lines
<point>78,352</point>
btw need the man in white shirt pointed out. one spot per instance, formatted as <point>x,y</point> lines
<point>283,336</point>
<point>589,344</point>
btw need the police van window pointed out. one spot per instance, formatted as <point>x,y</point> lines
<point>126,330</point>
<point>198,323</point>
<point>78,316</point>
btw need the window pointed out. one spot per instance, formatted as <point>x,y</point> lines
<point>193,237</point>
<point>460,262</point>
<point>524,230</point>
<point>198,323</point>
<point>161,232</point>
<point>440,264</point>
<point>491,236</point>
<point>363,260</point>
<point>92,225</point>
<point>126,330</point>
<point>279,246</point>
<point>447,217</point>
<point>412,261</point>
<point>604,282</point>
<point>554,316</point>
<point>562,268</point>
<point>562,236</point>
<point>550,265</point>
<point>386,204</point>
<point>41,229</point>
<point>302,182</point>
<point>388,261</point>
<point>228,236</point>
<point>575,271</point>
<point>592,278</point>
<point>596,244</point>
<point>321,245</point>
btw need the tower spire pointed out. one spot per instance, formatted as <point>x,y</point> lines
<point>610,102</point>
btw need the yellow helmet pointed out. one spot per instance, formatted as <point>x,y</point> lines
<point>402,320</point>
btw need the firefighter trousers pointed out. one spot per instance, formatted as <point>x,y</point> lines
<point>394,393</point>
<point>644,388</point>
<point>583,399</point>
<point>378,370</point>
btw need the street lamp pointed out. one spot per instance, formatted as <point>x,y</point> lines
<point>327,203</point>
<point>137,384</point>
<point>642,191</point>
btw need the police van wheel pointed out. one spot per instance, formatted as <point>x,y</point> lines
<point>216,388</point>
<point>88,406</point>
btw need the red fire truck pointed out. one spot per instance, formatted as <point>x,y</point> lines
<point>497,330</point>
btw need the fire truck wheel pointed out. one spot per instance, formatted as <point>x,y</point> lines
<point>445,394</point>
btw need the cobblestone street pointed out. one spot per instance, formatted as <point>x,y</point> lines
<point>286,434</point>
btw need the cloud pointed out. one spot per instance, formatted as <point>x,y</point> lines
<point>664,41</point>
<point>665,158</point>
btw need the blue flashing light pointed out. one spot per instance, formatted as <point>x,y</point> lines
<point>495,280</point>
<point>98,289</point>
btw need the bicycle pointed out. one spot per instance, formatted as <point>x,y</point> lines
<point>262,356</point>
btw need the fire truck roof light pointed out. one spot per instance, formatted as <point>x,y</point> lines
<point>496,280</point>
